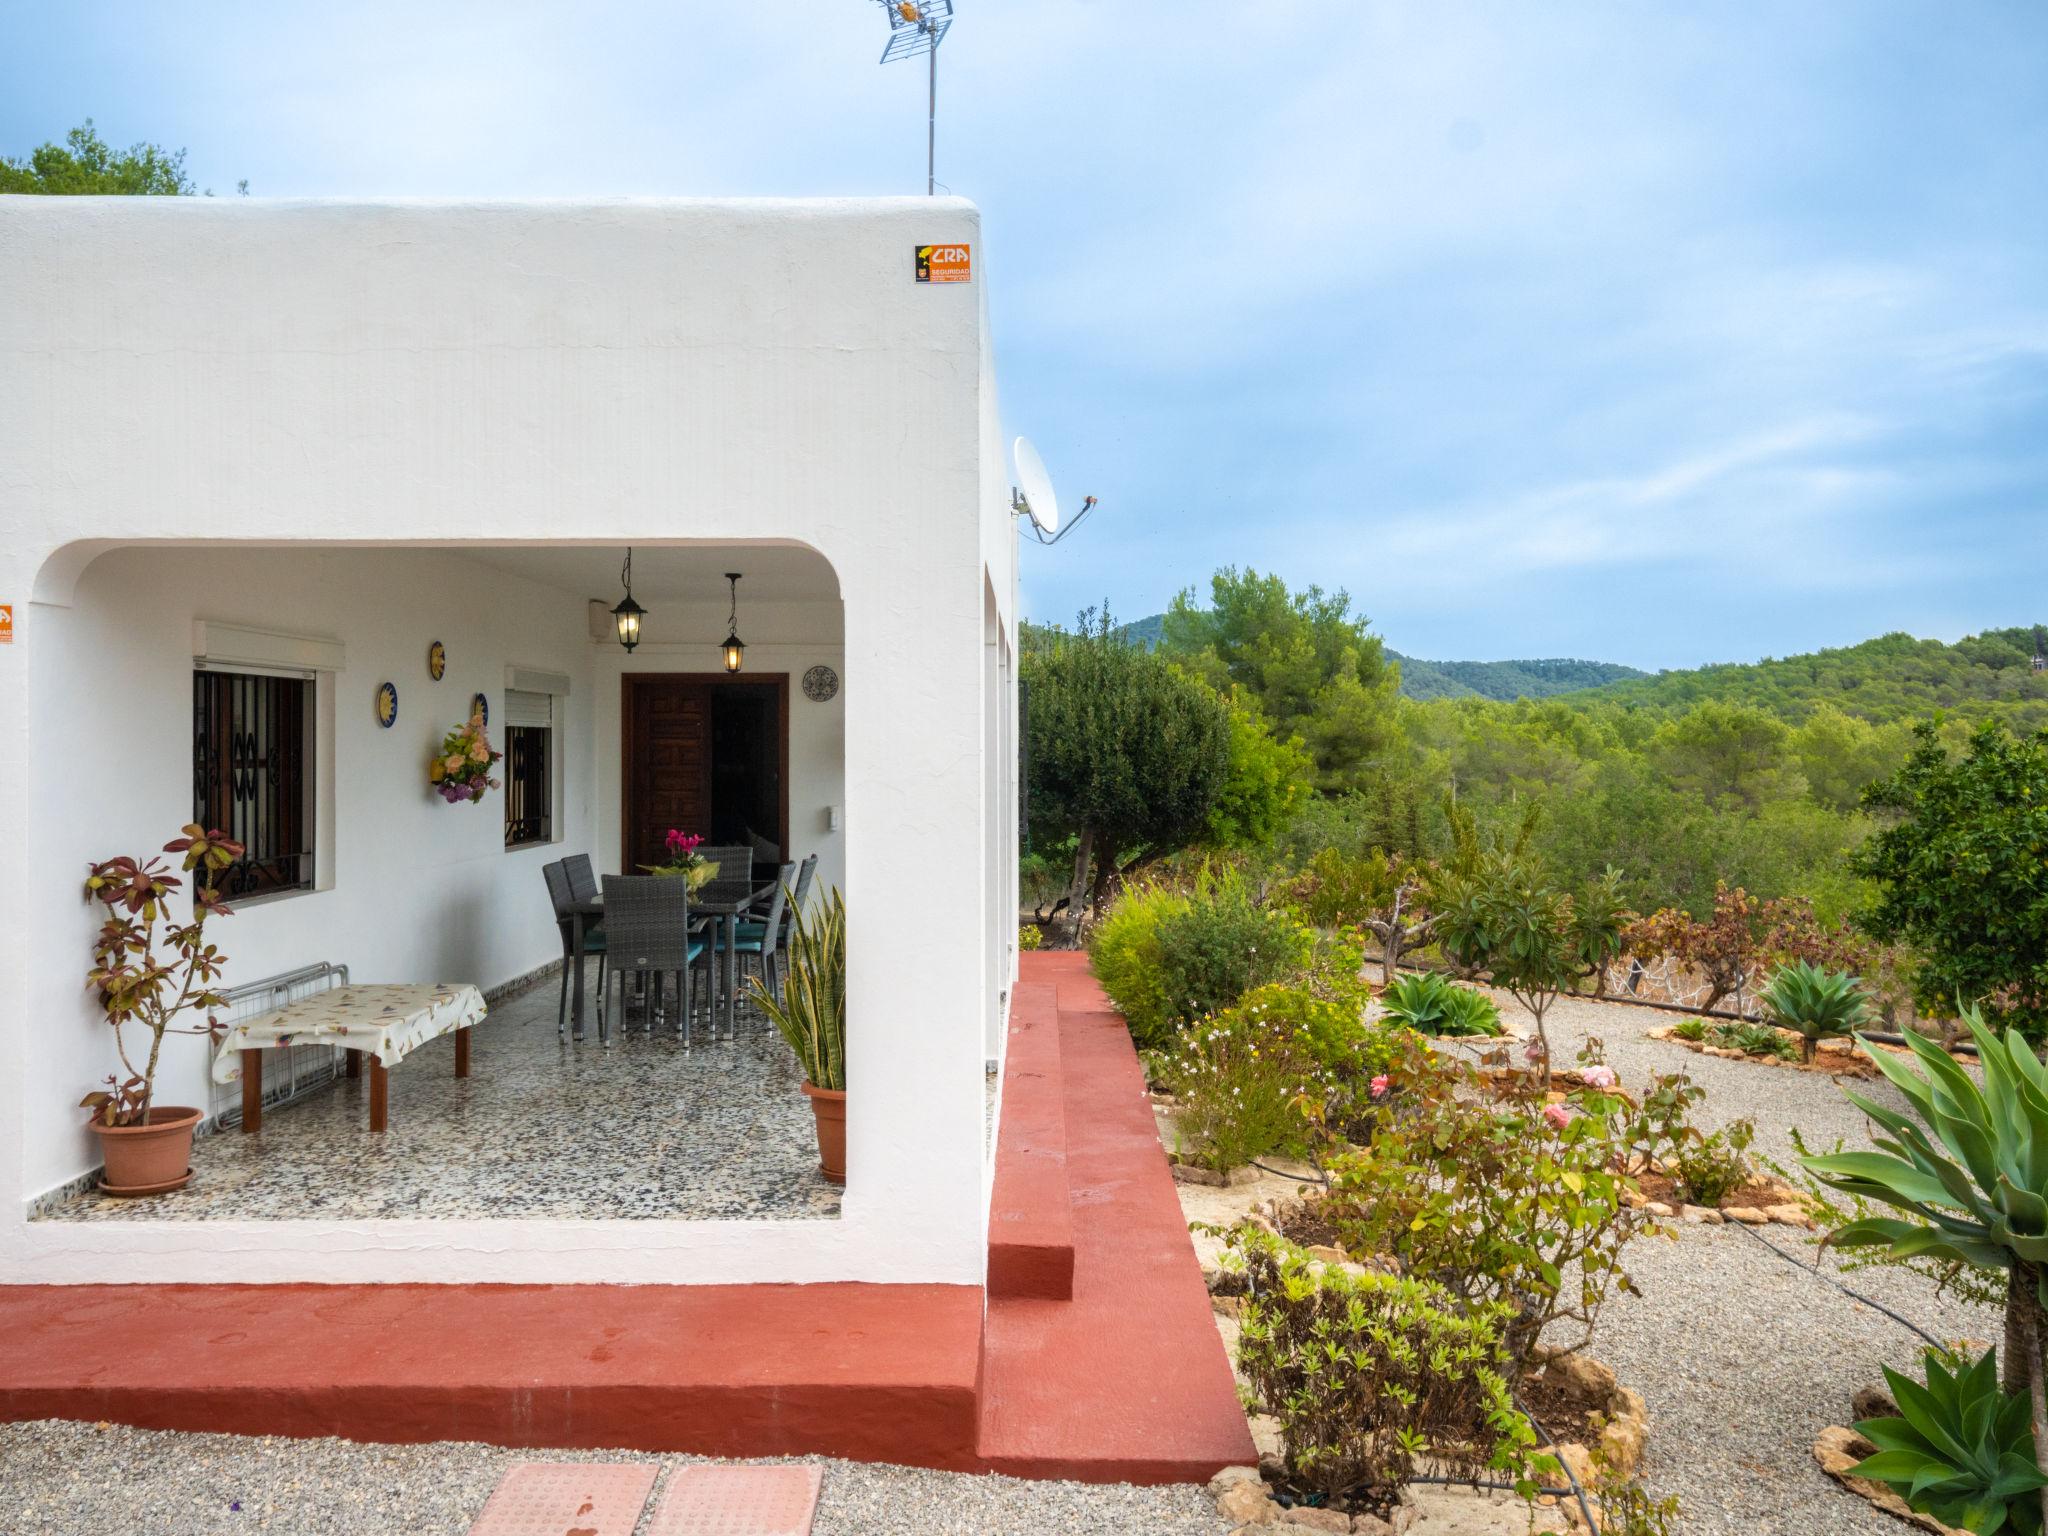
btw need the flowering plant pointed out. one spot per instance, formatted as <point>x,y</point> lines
<point>684,859</point>
<point>137,982</point>
<point>461,769</point>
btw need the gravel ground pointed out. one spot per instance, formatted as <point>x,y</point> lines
<point>75,1480</point>
<point>1741,1357</point>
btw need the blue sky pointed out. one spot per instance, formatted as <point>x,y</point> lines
<point>1649,333</point>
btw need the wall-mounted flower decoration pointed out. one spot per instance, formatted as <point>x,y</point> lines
<point>461,769</point>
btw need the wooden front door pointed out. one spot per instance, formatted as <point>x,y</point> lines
<point>697,761</point>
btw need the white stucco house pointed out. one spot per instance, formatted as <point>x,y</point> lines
<point>283,447</point>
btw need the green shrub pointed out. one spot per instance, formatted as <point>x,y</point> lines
<point>1432,1004</point>
<point>1221,945</point>
<point>1710,1168</point>
<point>1235,1080</point>
<point>1961,1450</point>
<point>1368,1373</point>
<point>1524,1206</point>
<point>1030,937</point>
<point>1627,1509</point>
<point>1690,1029</point>
<point>1816,1002</point>
<point>1124,950</point>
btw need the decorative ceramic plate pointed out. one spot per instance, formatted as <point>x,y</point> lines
<point>820,683</point>
<point>387,704</point>
<point>479,705</point>
<point>437,660</point>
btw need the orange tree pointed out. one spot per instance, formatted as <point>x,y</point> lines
<point>1962,873</point>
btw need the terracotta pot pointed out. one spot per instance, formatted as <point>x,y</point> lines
<point>828,1105</point>
<point>148,1159</point>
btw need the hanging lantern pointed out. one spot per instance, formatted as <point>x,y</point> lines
<point>734,650</point>
<point>628,614</point>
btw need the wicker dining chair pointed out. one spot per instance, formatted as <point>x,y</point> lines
<point>759,927</point>
<point>562,893</point>
<point>754,942</point>
<point>582,879</point>
<point>735,861</point>
<point>647,934</point>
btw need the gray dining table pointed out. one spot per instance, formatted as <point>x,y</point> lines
<point>725,901</point>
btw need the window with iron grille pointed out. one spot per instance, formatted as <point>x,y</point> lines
<point>529,768</point>
<point>252,776</point>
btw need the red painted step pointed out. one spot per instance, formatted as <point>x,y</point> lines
<point>870,1372</point>
<point>1128,1381</point>
<point>1031,1214</point>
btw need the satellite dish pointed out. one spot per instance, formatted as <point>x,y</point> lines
<point>1035,498</point>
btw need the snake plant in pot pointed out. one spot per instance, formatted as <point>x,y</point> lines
<point>811,1013</point>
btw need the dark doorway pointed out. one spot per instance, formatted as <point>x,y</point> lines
<point>704,753</point>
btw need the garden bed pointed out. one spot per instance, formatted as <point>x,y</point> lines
<point>1833,1058</point>
<point>1760,1202</point>
<point>1838,1448</point>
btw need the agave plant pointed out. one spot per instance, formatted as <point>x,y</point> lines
<point>1432,1004</point>
<point>1816,1002</point>
<point>1972,1176</point>
<point>811,1013</point>
<point>1961,1450</point>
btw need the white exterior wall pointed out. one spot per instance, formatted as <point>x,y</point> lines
<point>407,886</point>
<point>177,369</point>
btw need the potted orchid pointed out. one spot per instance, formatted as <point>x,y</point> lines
<point>684,860</point>
<point>149,975</point>
<point>461,769</point>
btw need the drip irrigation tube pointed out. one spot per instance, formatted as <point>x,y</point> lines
<point>1570,1476</point>
<point>1818,1273</point>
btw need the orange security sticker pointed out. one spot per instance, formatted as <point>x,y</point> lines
<point>945,264</point>
<point>6,623</point>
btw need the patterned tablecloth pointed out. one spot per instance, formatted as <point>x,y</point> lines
<point>386,1019</point>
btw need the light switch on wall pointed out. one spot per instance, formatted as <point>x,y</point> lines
<point>831,818</point>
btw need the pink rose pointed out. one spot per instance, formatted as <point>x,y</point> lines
<point>1558,1116</point>
<point>1600,1077</point>
<point>1380,1085</point>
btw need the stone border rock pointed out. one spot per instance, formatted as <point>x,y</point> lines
<point>1789,1210</point>
<point>1838,1449</point>
<point>1627,1426</point>
<point>1244,1498</point>
<point>1194,1173</point>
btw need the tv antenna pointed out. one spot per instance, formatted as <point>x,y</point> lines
<point>918,27</point>
<point>1034,499</point>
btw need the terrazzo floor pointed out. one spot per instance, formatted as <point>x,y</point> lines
<point>542,1128</point>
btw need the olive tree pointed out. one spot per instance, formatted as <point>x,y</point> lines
<point>1126,754</point>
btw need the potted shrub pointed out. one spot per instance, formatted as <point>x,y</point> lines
<point>811,1013</point>
<point>147,970</point>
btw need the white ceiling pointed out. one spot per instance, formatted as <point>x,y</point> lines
<point>771,573</point>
